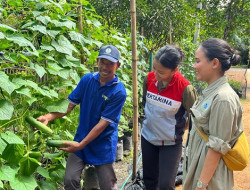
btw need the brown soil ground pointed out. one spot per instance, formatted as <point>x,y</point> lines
<point>241,178</point>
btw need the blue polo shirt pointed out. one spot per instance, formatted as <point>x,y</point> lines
<point>98,102</point>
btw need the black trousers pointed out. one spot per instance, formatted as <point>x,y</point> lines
<point>160,165</point>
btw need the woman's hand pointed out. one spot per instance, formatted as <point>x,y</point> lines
<point>71,146</point>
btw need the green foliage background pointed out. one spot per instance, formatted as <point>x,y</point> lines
<point>39,66</point>
<point>40,50</point>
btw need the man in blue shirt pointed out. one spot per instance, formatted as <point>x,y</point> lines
<point>101,97</point>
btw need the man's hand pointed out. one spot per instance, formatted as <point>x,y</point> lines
<point>54,115</point>
<point>71,146</point>
<point>43,119</point>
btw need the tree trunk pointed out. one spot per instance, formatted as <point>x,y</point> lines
<point>80,27</point>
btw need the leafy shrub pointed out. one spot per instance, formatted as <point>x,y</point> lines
<point>236,85</point>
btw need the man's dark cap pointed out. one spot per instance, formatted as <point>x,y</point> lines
<point>110,53</point>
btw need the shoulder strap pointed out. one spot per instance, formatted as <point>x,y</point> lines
<point>203,135</point>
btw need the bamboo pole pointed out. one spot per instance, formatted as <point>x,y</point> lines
<point>80,27</point>
<point>135,90</point>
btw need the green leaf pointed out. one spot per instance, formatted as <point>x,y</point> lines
<point>39,28</point>
<point>24,91</point>
<point>2,35</point>
<point>42,171</point>
<point>32,84</point>
<point>31,100</point>
<point>44,19</point>
<point>120,39</point>
<point>78,37</point>
<point>94,22</point>
<point>53,93</point>
<point>36,53</point>
<point>47,185</point>
<point>57,175</point>
<point>75,76</point>
<point>13,153</point>
<point>28,24</point>
<point>50,91</point>
<point>37,13</point>
<point>57,4</point>
<point>49,57</point>
<point>10,58</point>
<point>64,73</point>
<point>69,24</point>
<point>89,41</point>
<point>39,69</point>
<point>122,49</point>
<point>28,166</point>
<point>73,59</point>
<point>5,27</point>
<point>68,134</point>
<point>24,56</point>
<point>1,184</point>
<point>5,83</point>
<point>53,33</point>
<point>63,45</point>
<point>66,63</point>
<point>40,5</point>
<point>15,4</point>
<point>53,68</point>
<point>68,83</point>
<point>51,156</point>
<point>47,47</point>
<point>20,40</point>
<point>18,82</point>
<point>24,183</point>
<point>44,92</point>
<point>98,43</point>
<point>60,106</point>
<point>2,146</point>
<point>84,68</point>
<point>8,173</point>
<point>11,138</point>
<point>6,110</point>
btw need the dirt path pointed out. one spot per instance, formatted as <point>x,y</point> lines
<point>242,178</point>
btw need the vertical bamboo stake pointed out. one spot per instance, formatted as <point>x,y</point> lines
<point>135,90</point>
<point>80,27</point>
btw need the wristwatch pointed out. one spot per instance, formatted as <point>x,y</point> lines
<point>200,184</point>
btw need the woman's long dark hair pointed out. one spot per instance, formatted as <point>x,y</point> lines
<point>170,56</point>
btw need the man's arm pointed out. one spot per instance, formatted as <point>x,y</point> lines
<point>54,115</point>
<point>94,133</point>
